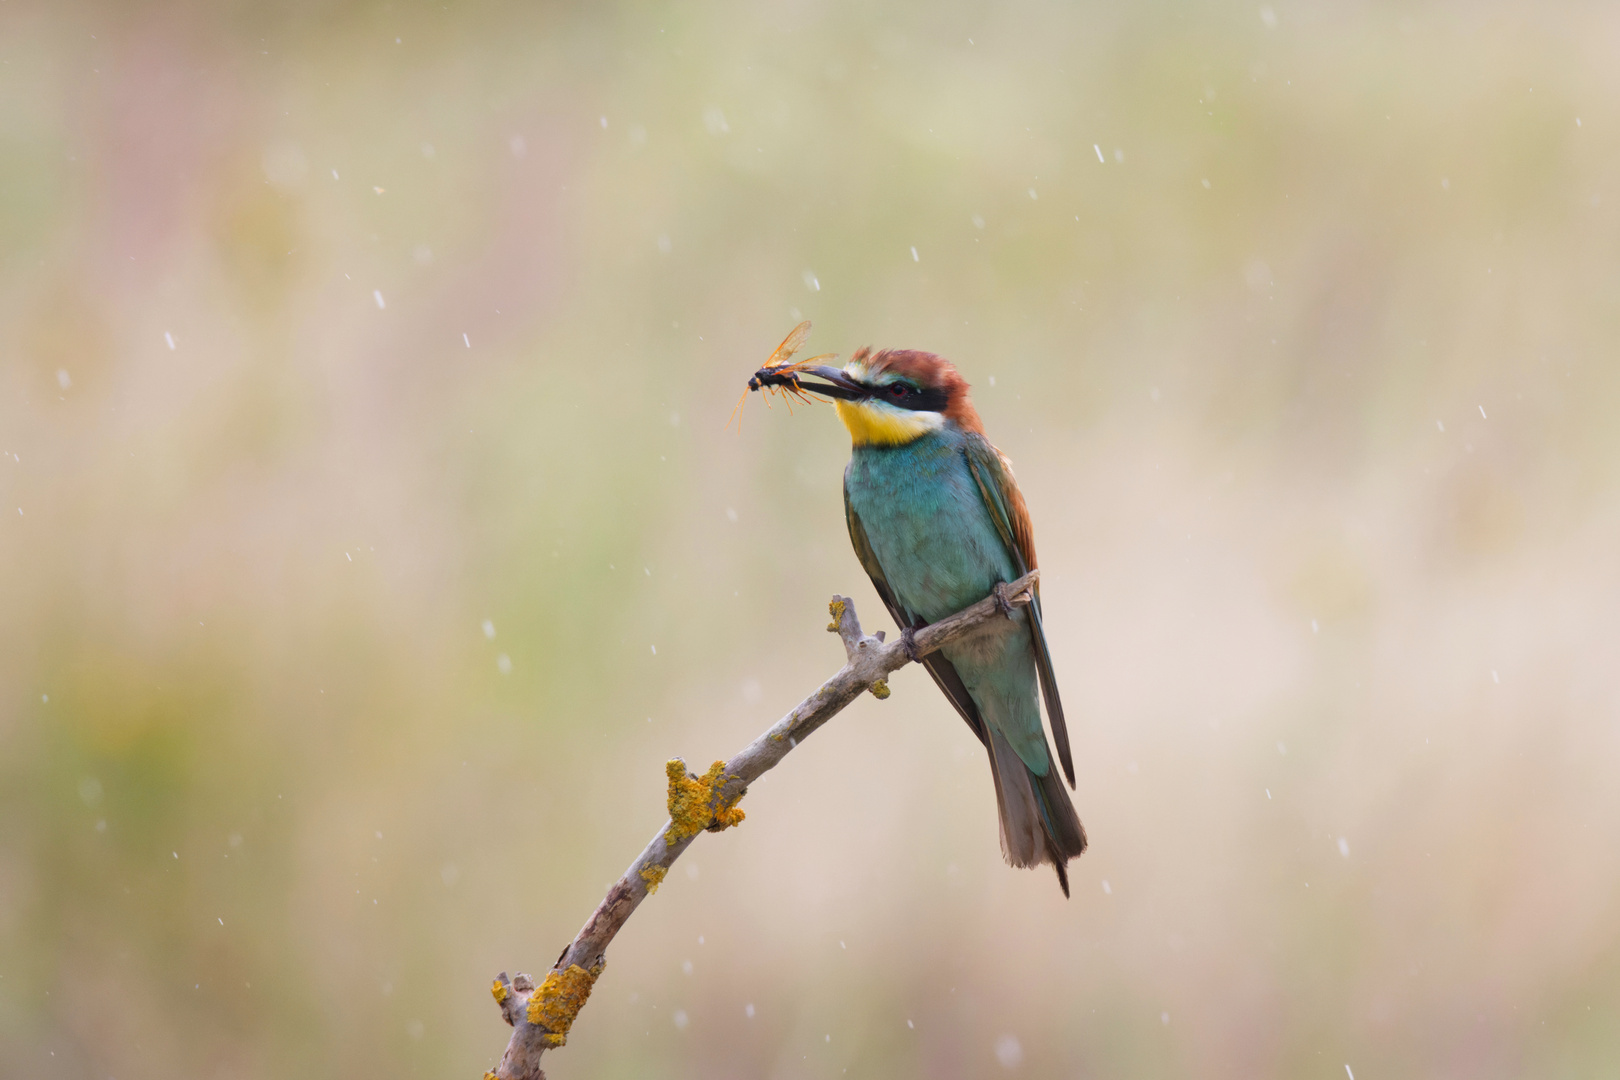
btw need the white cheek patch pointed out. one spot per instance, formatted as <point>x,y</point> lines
<point>921,419</point>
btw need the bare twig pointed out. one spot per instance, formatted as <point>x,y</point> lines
<point>541,1016</point>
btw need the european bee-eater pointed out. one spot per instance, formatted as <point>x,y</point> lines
<point>939,523</point>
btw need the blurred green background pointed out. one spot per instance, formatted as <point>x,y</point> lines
<point>371,534</point>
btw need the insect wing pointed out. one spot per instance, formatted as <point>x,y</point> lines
<point>789,346</point>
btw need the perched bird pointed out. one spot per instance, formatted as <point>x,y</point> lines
<point>938,523</point>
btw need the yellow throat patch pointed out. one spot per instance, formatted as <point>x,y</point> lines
<point>877,423</point>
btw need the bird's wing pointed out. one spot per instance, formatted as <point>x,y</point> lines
<point>993,472</point>
<point>945,676</point>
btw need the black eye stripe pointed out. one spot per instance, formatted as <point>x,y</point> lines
<point>924,399</point>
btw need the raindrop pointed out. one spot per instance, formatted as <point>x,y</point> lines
<point>680,1019</point>
<point>489,629</point>
<point>504,662</point>
<point>170,339</point>
<point>376,294</point>
<point>1009,1051</point>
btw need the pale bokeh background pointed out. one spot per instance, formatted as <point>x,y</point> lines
<point>1311,382</point>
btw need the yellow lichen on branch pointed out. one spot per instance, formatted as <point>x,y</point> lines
<point>499,990</point>
<point>559,999</point>
<point>836,610</point>
<point>654,877</point>
<point>695,803</point>
<point>727,816</point>
<point>880,689</point>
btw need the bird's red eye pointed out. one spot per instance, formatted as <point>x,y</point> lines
<point>899,390</point>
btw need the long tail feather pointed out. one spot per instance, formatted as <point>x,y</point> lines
<point>1038,822</point>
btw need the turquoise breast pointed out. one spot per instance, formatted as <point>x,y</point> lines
<point>927,523</point>
<point>940,552</point>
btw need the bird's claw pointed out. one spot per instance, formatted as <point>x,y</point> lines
<point>1002,592</point>
<point>908,642</point>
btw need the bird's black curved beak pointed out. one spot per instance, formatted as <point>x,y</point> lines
<point>837,384</point>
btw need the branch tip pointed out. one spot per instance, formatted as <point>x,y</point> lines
<point>836,610</point>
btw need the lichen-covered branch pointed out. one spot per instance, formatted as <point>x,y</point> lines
<point>541,1016</point>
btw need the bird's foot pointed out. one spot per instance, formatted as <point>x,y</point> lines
<point>1001,592</point>
<point>908,642</point>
